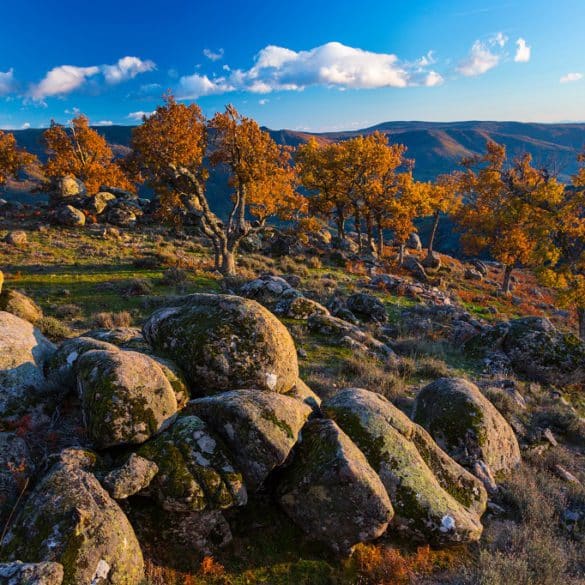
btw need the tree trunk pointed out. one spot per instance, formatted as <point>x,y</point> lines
<point>340,221</point>
<point>228,262</point>
<point>401,255</point>
<point>581,319</point>
<point>430,248</point>
<point>370,233</point>
<point>507,283</point>
<point>358,229</point>
<point>380,241</point>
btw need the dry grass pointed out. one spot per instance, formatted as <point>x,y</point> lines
<point>108,320</point>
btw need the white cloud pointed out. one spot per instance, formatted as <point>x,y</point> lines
<point>263,101</point>
<point>570,77</point>
<point>26,126</point>
<point>213,55</point>
<point>137,116</point>
<point>522,51</point>
<point>126,68</point>
<point>194,86</point>
<point>330,65</point>
<point>104,123</point>
<point>7,82</point>
<point>481,58</point>
<point>62,80</point>
<point>499,39</point>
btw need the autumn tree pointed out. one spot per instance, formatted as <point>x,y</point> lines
<point>12,158</point>
<point>566,273</point>
<point>320,168</point>
<point>169,150</point>
<point>81,151</point>
<point>510,210</point>
<point>444,198</point>
<point>175,135</point>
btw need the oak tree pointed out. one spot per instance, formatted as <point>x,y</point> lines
<point>12,158</point>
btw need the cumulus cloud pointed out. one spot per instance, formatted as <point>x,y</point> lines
<point>7,82</point>
<point>67,78</point>
<point>570,77</point>
<point>483,56</point>
<point>137,116</point>
<point>522,51</point>
<point>62,80</point>
<point>213,55</point>
<point>126,68</point>
<point>26,126</point>
<point>331,65</point>
<point>104,123</point>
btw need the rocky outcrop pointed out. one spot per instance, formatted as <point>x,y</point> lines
<point>69,216</point>
<point>467,426</point>
<point>259,428</point>
<point>435,500</point>
<point>331,491</point>
<point>223,342</point>
<point>195,471</point>
<point>23,353</point>
<point>132,477</point>
<point>18,573</point>
<point>16,469</point>
<point>367,307</point>
<point>125,396</point>
<point>70,519</point>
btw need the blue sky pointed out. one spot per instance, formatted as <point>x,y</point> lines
<point>314,65</point>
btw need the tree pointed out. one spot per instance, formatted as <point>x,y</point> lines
<point>260,174</point>
<point>443,198</point>
<point>567,272</point>
<point>175,135</point>
<point>12,158</point>
<point>81,151</point>
<point>169,151</point>
<point>510,212</point>
<point>320,170</point>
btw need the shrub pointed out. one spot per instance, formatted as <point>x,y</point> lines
<point>54,329</point>
<point>112,320</point>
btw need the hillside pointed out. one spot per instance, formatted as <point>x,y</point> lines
<point>437,147</point>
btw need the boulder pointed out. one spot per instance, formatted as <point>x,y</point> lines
<point>534,348</point>
<point>23,353</point>
<point>121,216</point>
<point>467,425</point>
<point>367,307</point>
<point>299,308</point>
<point>99,202</point>
<point>414,242</point>
<point>268,290</point>
<point>195,470</point>
<point>125,396</point>
<point>434,498</point>
<point>132,477</point>
<point>60,367</point>
<point>223,342</point>
<point>302,392</point>
<point>331,491</point>
<point>411,264</point>
<point>17,238</point>
<point>260,428</point>
<point>431,262</point>
<point>16,469</point>
<point>127,337</point>
<point>70,186</point>
<point>69,216</point>
<point>70,519</point>
<point>18,573</point>
<point>20,305</point>
<point>473,274</point>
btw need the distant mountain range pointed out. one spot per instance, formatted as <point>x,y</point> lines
<point>437,147</point>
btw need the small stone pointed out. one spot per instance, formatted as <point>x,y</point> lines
<point>134,476</point>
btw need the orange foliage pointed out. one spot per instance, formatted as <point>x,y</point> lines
<point>12,158</point>
<point>81,151</point>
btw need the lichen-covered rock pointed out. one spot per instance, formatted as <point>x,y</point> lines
<point>260,428</point>
<point>16,468</point>
<point>535,348</point>
<point>60,367</point>
<point>70,186</point>
<point>70,216</point>
<point>331,491</point>
<point>122,216</point>
<point>367,307</point>
<point>23,353</point>
<point>17,238</point>
<point>195,472</point>
<point>176,378</point>
<point>99,202</point>
<point>435,499</point>
<point>268,289</point>
<point>132,477</point>
<point>466,425</point>
<point>20,305</point>
<point>128,337</point>
<point>299,308</point>
<point>70,519</point>
<point>125,396</point>
<point>223,342</point>
<point>18,573</point>
<point>302,392</point>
